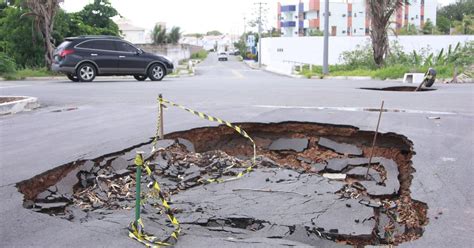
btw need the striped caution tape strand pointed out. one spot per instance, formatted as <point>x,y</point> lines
<point>136,228</point>
<point>215,119</point>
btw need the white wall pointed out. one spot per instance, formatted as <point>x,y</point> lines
<point>309,50</point>
<point>135,36</point>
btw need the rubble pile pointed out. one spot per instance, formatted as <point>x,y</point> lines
<point>304,187</point>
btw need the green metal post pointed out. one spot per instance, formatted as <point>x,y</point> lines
<point>139,164</point>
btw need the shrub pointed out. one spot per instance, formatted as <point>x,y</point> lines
<point>199,55</point>
<point>7,64</point>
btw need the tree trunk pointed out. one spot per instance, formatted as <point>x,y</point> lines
<point>380,44</point>
<point>380,12</point>
<point>44,12</point>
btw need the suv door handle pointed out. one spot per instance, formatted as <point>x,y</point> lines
<point>93,54</point>
<point>121,56</point>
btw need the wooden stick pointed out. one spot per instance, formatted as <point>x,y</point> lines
<point>373,142</point>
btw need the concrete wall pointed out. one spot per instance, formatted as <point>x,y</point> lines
<point>309,50</point>
<point>175,52</point>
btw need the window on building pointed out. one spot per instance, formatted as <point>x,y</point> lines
<point>349,13</point>
<point>416,16</point>
<point>343,31</point>
<point>355,14</point>
<point>355,30</point>
<point>317,14</point>
<point>422,17</point>
<point>343,15</point>
<point>406,17</point>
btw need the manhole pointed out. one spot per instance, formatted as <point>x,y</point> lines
<point>399,88</point>
<point>309,185</point>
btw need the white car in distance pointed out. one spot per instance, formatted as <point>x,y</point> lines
<point>222,56</point>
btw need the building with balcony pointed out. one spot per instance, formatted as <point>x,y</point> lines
<point>346,17</point>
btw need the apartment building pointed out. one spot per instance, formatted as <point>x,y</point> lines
<point>346,17</point>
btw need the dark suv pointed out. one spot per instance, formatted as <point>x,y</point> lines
<point>85,57</point>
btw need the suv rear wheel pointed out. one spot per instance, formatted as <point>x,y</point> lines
<point>86,72</point>
<point>156,72</point>
<point>140,77</point>
<point>72,78</point>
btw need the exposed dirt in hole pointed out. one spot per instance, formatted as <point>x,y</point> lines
<point>84,190</point>
<point>399,88</point>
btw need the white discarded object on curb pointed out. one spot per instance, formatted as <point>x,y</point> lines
<point>335,176</point>
<point>433,117</point>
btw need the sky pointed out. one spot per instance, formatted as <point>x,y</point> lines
<point>193,16</point>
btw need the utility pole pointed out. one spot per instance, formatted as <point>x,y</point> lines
<point>245,25</point>
<point>260,33</point>
<point>326,38</point>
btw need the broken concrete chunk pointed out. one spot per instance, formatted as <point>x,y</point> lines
<point>341,148</point>
<point>119,163</point>
<point>66,185</point>
<point>285,144</point>
<point>334,176</point>
<point>318,167</point>
<point>339,164</point>
<point>186,143</point>
<point>51,205</point>
<point>361,172</point>
<point>87,166</point>
<point>305,160</point>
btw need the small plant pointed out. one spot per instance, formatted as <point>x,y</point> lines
<point>7,64</point>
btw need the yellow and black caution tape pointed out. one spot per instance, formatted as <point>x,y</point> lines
<point>215,119</point>
<point>136,228</point>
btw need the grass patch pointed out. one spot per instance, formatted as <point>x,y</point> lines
<point>387,72</point>
<point>29,72</point>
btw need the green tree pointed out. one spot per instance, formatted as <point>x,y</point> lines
<point>158,35</point>
<point>428,27</point>
<point>174,35</point>
<point>409,29</point>
<point>214,32</point>
<point>315,32</point>
<point>443,24</point>
<point>43,13</point>
<point>98,15</point>
<point>381,11</point>
<point>18,38</point>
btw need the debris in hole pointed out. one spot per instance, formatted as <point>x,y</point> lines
<point>341,148</point>
<point>285,197</point>
<point>284,144</point>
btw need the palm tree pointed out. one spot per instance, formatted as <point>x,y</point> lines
<point>159,35</point>
<point>175,35</point>
<point>380,12</point>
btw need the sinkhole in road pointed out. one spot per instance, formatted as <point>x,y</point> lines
<point>311,183</point>
<point>400,88</point>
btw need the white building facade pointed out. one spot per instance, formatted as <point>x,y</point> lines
<point>346,17</point>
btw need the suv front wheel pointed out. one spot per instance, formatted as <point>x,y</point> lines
<point>86,72</point>
<point>156,72</point>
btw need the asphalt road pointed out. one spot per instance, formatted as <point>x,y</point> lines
<point>109,115</point>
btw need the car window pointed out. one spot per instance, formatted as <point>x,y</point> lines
<point>124,47</point>
<point>104,45</point>
<point>87,44</point>
<point>63,45</point>
<point>98,45</point>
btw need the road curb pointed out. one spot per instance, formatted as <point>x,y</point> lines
<point>26,104</point>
